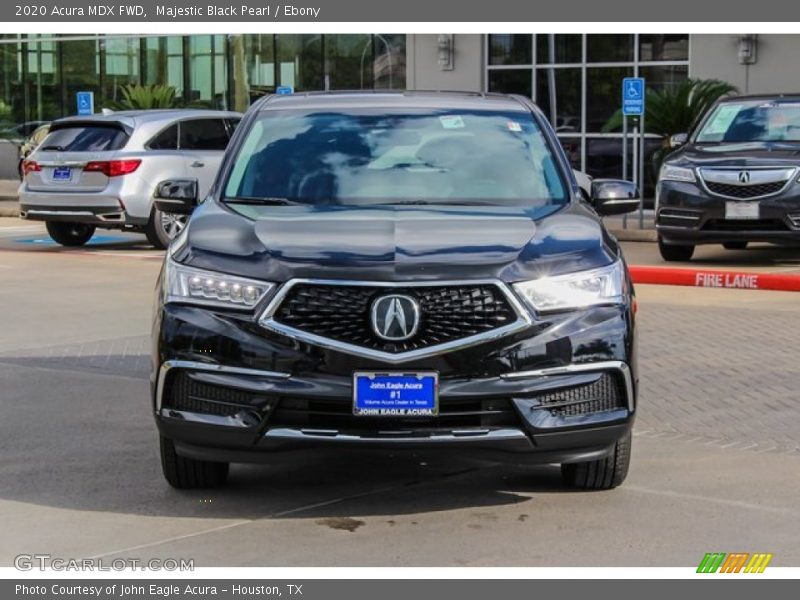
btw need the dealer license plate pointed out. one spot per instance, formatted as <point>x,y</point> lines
<point>742,210</point>
<point>396,394</point>
<point>62,174</point>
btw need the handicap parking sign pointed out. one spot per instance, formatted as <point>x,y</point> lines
<point>633,96</point>
<point>85,103</point>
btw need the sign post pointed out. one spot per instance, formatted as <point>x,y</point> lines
<point>633,105</point>
<point>85,102</point>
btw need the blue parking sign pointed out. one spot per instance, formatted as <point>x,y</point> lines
<point>284,89</point>
<point>633,96</point>
<point>85,102</point>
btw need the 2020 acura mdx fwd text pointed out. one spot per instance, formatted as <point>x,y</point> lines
<point>396,270</point>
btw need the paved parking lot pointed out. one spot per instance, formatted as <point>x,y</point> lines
<point>716,449</point>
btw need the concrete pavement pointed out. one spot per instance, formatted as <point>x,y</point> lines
<point>716,447</point>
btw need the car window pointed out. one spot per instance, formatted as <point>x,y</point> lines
<point>203,134</point>
<point>442,157</point>
<point>166,140</point>
<point>85,138</point>
<point>233,124</point>
<point>753,121</point>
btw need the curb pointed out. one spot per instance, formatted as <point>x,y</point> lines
<point>8,208</point>
<point>745,280</point>
<point>635,235</point>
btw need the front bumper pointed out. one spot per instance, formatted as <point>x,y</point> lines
<point>687,214</point>
<point>290,395</point>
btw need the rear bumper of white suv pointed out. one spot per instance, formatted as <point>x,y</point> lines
<point>100,209</point>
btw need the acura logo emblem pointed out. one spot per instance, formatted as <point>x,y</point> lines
<point>395,317</point>
<point>744,177</point>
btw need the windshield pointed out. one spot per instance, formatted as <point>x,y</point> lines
<point>372,158</point>
<point>753,121</point>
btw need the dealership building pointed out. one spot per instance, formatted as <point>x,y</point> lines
<point>574,78</point>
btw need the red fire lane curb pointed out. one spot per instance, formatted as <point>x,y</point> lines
<point>746,280</point>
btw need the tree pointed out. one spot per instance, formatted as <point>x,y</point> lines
<point>141,97</point>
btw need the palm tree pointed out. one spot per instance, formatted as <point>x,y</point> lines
<point>137,97</point>
<point>676,109</point>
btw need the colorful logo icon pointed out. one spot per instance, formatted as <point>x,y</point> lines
<point>736,562</point>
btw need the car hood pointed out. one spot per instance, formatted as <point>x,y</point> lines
<point>386,243</point>
<point>749,154</point>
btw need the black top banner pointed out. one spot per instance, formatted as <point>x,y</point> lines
<point>444,11</point>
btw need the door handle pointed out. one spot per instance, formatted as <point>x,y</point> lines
<point>197,163</point>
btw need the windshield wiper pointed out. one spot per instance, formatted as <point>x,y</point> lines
<point>402,203</point>
<point>56,148</point>
<point>269,200</point>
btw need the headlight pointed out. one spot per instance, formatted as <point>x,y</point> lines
<point>196,286</point>
<point>605,285</point>
<point>673,173</point>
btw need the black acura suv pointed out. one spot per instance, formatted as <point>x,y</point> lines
<point>734,180</point>
<point>399,270</point>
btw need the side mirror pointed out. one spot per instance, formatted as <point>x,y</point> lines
<point>176,196</point>
<point>614,196</point>
<point>677,140</point>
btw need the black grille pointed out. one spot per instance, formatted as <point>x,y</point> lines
<point>337,413</point>
<point>745,225</point>
<point>745,191</point>
<point>342,313</point>
<point>607,393</point>
<point>183,393</point>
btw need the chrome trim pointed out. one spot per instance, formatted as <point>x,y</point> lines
<point>608,365</point>
<point>208,367</point>
<point>266,319</point>
<point>459,435</point>
<point>663,215</point>
<point>110,216</point>
<point>730,176</point>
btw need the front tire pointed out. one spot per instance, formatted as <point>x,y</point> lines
<point>603,474</point>
<point>734,245</point>
<point>164,227</point>
<point>70,234</point>
<point>672,253</point>
<point>186,473</point>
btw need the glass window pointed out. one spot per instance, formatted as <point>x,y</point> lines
<point>349,59</point>
<point>81,69</point>
<point>665,78</point>
<point>572,148</point>
<point>663,47</point>
<point>94,138</point>
<point>510,49</point>
<point>558,94</point>
<point>166,140</point>
<point>511,81</point>
<point>609,48</point>
<point>164,62</point>
<point>559,48</point>
<point>371,157</point>
<point>604,88</point>
<point>389,62</point>
<point>121,65</point>
<point>203,134</point>
<point>207,70</point>
<point>300,61</point>
<point>12,100</point>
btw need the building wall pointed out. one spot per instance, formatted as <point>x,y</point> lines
<point>777,68</point>
<point>422,63</point>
